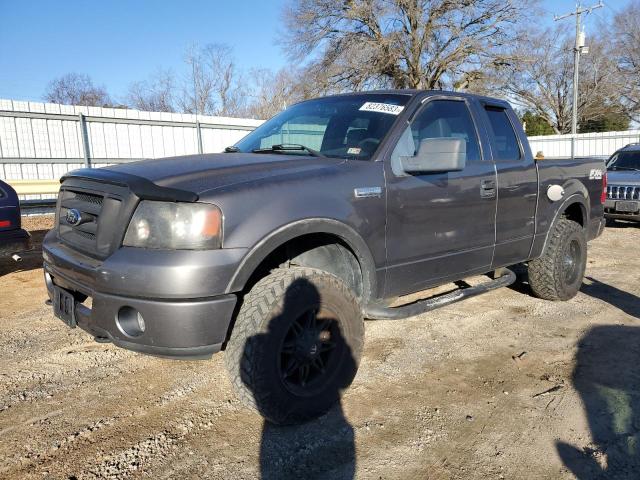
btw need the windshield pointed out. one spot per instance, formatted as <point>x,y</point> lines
<point>338,127</point>
<point>624,161</point>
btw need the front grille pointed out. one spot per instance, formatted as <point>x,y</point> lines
<point>88,221</point>
<point>623,192</point>
<point>88,198</point>
<point>83,234</point>
<point>87,235</point>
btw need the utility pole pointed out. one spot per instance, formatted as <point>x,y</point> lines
<point>195,106</point>
<point>578,49</point>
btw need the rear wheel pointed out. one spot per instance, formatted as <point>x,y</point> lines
<point>558,273</point>
<point>296,344</point>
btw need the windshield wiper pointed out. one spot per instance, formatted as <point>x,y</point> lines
<point>287,147</point>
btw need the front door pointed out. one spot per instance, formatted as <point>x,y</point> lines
<point>440,226</point>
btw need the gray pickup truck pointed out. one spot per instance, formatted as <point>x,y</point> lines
<point>328,213</point>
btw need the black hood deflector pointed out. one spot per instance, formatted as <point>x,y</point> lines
<point>143,188</point>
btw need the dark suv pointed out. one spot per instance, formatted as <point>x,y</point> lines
<point>13,239</point>
<point>623,190</point>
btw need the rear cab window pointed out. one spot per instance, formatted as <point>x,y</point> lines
<point>504,142</point>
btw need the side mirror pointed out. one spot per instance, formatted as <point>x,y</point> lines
<point>437,155</point>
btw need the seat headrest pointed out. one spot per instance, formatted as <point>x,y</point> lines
<point>355,136</point>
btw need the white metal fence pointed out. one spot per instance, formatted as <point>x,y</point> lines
<point>45,140</point>
<point>587,144</point>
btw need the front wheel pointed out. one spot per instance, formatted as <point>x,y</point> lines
<point>558,273</point>
<point>296,344</point>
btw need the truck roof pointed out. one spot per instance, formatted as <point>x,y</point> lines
<point>423,93</point>
<point>632,147</point>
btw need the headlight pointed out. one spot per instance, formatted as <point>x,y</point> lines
<point>164,225</point>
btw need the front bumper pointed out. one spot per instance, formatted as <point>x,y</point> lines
<point>14,241</point>
<point>165,288</point>
<point>610,212</point>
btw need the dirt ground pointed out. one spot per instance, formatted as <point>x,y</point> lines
<point>500,386</point>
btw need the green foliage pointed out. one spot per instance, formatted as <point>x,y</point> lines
<point>609,122</point>
<point>535,124</point>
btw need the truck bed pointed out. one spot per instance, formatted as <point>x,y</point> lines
<point>574,175</point>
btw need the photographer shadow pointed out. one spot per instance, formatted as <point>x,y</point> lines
<point>607,377</point>
<point>320,448</point>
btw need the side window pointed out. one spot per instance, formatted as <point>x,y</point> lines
<point>503,137</point>
<point>438,119</point>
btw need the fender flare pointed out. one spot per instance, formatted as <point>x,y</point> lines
<point>577,197</point>
<point>282,235</point>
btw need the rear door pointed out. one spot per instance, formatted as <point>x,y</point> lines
<point>440,226</point>
<point>517,185</point>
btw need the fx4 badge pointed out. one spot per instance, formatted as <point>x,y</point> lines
<point>595,174</point>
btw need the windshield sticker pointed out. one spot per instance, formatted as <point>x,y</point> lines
<point>354,151</point>
<point>382,108</point>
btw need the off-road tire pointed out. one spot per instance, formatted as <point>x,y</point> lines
<point>254,351</point>
<point>553,276</point>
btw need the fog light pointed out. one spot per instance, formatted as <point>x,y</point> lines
<point>130,322</point>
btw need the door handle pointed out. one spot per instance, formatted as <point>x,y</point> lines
<point>488,189</point>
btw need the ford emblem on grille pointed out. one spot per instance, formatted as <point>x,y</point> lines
<point>73,216</point>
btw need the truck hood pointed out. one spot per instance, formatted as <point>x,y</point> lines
<point>619,177</point>
<point>203,173</point>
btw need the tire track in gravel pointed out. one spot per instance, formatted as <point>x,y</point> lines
<point>144,424</point>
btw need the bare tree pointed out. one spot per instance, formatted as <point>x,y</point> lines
<point>626,28</point>
<point>599,95</point>
<point>212,85</point>
<point>197,90</point>
<point>76,89</point>
<point>272,92</point>
<point>227,82</point>
<point>537,74</point>
<point>154,95</point>
<point>399,43</point>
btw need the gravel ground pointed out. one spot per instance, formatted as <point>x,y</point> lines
<point>499,386</point>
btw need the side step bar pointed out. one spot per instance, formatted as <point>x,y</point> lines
<point>375,312</point>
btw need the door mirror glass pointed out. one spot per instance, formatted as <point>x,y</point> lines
<point>437,155</point>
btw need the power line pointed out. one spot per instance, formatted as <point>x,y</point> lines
<point>578,48</point>
<point>608,5</point>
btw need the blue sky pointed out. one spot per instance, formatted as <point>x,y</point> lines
<point>117,42</point>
